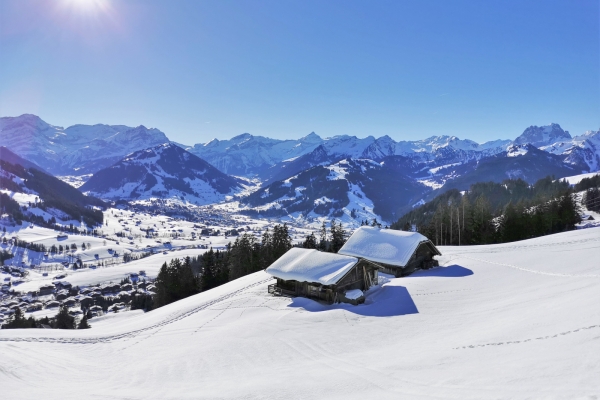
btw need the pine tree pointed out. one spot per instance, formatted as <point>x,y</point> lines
<point>282,241</point>
<point>63,320</point>
<point>243,258</point>
<point>338,236</point>
<point>323,237</point>
<point>310,242</point>
<point>83,324</point>
<point>162,282</point>
<point>208,278</point>
<point>188,284</point>
<point>16,321</point>
<point>266,249</point>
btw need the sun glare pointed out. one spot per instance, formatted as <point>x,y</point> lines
<point>87,5</point>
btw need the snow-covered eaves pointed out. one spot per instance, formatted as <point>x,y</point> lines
<point>307,265</point>
<point>386,246</point>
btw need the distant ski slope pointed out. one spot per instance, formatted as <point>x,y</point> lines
<point>516,320</point>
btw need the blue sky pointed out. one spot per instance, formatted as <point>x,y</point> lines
<point>202,69</point>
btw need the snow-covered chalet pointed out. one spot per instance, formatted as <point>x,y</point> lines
<point>399,253</point>
<point>328,277</point>
<point>344,277</point>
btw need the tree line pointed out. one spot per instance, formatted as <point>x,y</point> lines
<point>246,255</point>
<point>495,213</point>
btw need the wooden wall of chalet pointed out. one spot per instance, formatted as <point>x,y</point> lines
<point>362,276</point>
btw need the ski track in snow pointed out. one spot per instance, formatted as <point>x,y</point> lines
<point>134,333</point>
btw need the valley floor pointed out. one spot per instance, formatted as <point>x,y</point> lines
<point>516,320</point>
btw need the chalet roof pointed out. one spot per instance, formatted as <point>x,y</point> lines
<point>306,265</point>
<point>387,246</point>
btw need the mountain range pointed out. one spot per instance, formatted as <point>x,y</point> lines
<point>342,176</point>
<point>76,150</point>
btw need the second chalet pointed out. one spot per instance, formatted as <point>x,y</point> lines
<point>399,253</point>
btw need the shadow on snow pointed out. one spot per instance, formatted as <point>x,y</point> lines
<point>387,300</point>
<point>451,271</point>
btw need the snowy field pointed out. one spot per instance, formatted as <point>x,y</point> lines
<point>516,320</point>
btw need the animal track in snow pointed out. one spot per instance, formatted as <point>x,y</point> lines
<point>528,340</point>
<point>447,291</point>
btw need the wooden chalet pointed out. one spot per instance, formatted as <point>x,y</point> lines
<point>327,277</point>
<point>399,253</point>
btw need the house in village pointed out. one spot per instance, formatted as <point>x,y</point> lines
<point>344,277</point>
<point>327,277</point>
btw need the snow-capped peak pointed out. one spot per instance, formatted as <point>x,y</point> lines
<point>542,135</point>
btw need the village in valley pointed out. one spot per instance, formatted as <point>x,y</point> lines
<point>299,199</point>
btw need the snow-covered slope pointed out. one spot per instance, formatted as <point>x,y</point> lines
<point>580,150</point>
<point>163,171</point>
<point>76,150</point>
<point>350,189</point>
<point>511,321</point>
<point>43,195</point>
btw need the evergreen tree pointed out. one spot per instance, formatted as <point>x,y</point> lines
<point>175,281</point>
<point>17,321</point>
<point>591,199</point>
<point>323,237</point>
<point>83,324</point>
<point>338,236</point>
<point>141,302</point>
<point>208,279</point>
<point>63,320</point>
<point>188,284</point>
<point>282,241</point>
<point>266,249</point>
<point>310,242</point>
<point>243,258</point>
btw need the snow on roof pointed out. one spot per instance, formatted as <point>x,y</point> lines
<point>386,246</point>
<point>354,294</point>
<point>306,265</point>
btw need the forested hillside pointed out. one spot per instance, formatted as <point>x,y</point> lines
<point>495,212</point>
<point>52,193</point>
